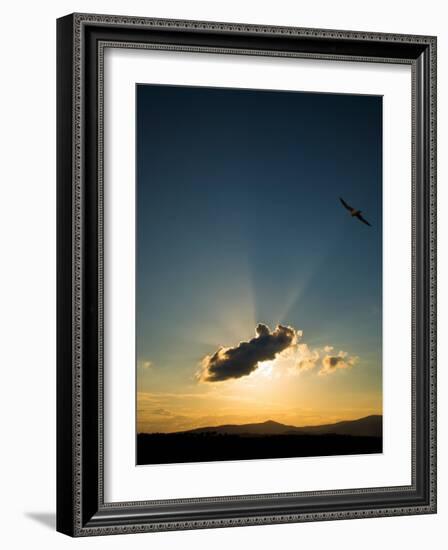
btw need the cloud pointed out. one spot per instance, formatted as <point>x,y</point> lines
<point>160,412</point>
<point>307,358</point>
<point>241,360</point>
<point>282,347</point>
<point>331,363</point>
<point>144,364</point>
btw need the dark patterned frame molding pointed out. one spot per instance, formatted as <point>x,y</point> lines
<point>81,509</point>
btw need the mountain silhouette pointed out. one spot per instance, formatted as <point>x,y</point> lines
<point>262,428</point>
<point>268,439</point>
<point>368,426</point>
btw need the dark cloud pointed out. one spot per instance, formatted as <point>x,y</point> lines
<point>243,359</point>
<point>333,361</point>
<point>330,363</point>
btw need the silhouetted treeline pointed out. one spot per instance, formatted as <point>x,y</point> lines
<point>161,448</point>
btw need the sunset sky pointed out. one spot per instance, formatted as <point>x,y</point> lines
<point>239,231</point>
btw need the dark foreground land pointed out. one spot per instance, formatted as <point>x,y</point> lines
<point>268,439</point>
<point>161,448</point>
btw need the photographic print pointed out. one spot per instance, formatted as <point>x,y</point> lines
<point>258,274</point>
<point>246,274</point>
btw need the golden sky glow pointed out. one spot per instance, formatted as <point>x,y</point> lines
<point>298,388</point>
<point>257,296</point>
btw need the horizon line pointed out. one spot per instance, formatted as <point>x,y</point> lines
<point>265,422</point>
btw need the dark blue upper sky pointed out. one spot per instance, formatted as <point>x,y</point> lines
<point>239,219</point>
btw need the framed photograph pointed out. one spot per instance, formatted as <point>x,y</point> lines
<point>246,274</point>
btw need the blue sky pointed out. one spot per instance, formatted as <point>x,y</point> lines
<point>239,222</point>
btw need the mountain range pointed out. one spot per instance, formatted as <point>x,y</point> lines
<point>368,426</point>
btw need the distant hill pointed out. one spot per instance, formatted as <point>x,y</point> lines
<point>262,428</point>
<point>369,426</point>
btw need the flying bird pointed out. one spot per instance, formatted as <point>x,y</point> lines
<point>355,213</point>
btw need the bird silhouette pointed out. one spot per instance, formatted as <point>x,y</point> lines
<point>354,213</point>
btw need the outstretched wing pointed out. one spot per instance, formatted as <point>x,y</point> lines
<point>362,219</point>
<point>345,204</point>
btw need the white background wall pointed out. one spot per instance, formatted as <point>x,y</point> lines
<point>27,274</point>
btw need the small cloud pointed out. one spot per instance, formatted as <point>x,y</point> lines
<point>144,364</point>
<point>160,412</point>
<point>331,363</point>
<point>243,359</point>
<point>307,358</point>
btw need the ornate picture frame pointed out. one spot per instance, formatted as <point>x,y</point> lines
<point>81,506</point>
